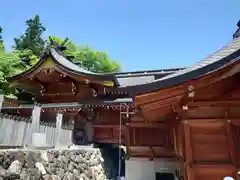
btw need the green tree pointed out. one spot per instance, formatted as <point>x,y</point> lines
<point>27,58</point>
<point>32,38</point>
<point>10,64</point>
<point>94,61</point>
<point>1,40</point>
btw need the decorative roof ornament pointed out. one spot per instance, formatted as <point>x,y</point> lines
<point>237,33</point>
<point>60,48</point>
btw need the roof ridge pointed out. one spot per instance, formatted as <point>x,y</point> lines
<point>149,71</point>
<point>223,48</point>
<point>206,61</point>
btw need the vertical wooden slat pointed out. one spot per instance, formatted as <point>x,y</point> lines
<point>1,100</point>
<point>175,143</point>
<point>188,151</point>
<point>134,136</point>
<point>230,139</point>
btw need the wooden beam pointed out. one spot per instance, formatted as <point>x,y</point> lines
<point>204,122</point>
<point>143,124</point>
<point>148,106</point>
<point>141,115</point>
<point>107,126</point>
<point>134,136</point>
<point>219,103</point>
<point>199,83</point>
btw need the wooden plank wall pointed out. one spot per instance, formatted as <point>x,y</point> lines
<point>207,141</point>
<point>16,131</point>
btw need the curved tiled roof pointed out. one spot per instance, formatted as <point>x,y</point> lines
<point>142,77</point>
<point>121,79</point>
<point>64,64</point>
<point>229,53</point>
<point>147,81</point>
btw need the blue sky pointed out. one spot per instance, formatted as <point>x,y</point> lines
<point>141,35</point>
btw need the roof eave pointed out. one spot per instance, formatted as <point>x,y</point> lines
<point>177,80</point>
<point>100,77</point>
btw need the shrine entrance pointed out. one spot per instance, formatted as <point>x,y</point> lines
<point>111,154</point>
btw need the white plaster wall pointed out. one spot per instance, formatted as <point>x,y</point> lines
<point>143,169</point>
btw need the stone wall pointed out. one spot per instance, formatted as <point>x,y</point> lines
<point>80,164</point>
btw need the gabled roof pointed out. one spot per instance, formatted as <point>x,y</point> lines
<point>65,65</point>
<point>229,53</point>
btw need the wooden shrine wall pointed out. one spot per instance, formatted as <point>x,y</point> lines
<point>106,127</point>
<point>151,141</point>
<point>149,134</point>
<point>207,140</point>
<point>143,139</point>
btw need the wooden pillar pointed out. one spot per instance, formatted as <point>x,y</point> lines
<point>1,100</point>
<point>230,141</point>
<point>71,126</point>
<point>188,151</point>
<point>36,113</point>
<point>59,119</point>
<point>89,132</point>
<point>37,139</point>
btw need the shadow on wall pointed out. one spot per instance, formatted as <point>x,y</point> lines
<point>110,153</point>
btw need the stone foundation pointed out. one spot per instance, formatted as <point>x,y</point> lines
<point>79,164</point>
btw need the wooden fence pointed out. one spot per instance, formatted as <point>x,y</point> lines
<point>17,131</point>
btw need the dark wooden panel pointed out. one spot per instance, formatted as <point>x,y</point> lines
<point>148,136</point>
<point>103,133</point>
<point>206,112</point>
<point>109,134</point>
<point>213,172</point>
<point>108,117</point>
<point>209,144</point>
<point>59,88</point>
<point>213,112</point>
<point>151,152</point>
<point>236,140</point>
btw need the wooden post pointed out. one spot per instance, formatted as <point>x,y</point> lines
<point>59,119</point>
<point>36,113</point>
<point>1,100</point>
<point>89,132</point>
<point>36,139</point>
<point>230,140</point>
<point>188,151</point>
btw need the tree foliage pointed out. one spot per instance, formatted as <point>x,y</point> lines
<point>10,64</point>
<point>1,40</point>
<point>29,46</point>
<point>32,38</point>
<point>94,61</point>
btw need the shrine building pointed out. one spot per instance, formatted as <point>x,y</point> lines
<point>181,123</point>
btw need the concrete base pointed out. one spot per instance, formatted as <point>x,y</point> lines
<point>143,169</point>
